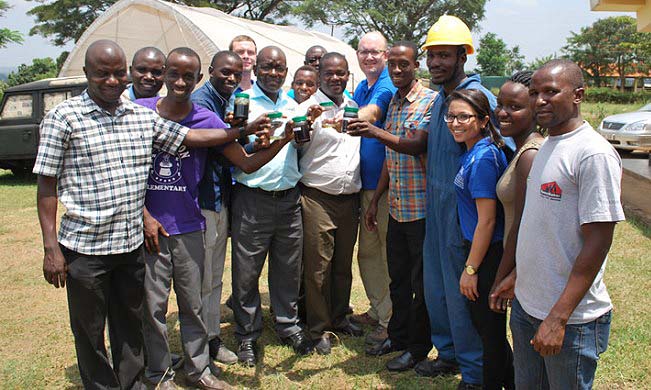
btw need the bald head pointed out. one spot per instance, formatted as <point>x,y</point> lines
<point>374,38</point>
<point>106,71</point>
<point>103,49</point>
<point>271,51</point>
<point>568,69</point>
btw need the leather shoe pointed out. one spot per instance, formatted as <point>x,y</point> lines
<point>210,382</point>
<point>323,347</point>
<point>219,352</point>
<point>350,329</point>
<point>403,362</point>
<point>246,353</point>
<point>468,386</point>
<point>382,348</point>
<point>300,343</point>
<point>363,319</point>
<point>436,367</point>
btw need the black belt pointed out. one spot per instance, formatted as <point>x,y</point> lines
<point>273,194</point>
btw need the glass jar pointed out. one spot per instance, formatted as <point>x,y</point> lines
<point>301,129</point>
<point>349,113</point>
<point>241,107</point>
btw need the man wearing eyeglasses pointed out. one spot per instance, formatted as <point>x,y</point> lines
<point>373,95</point>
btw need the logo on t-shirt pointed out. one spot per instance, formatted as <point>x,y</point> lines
<point>551,191</point>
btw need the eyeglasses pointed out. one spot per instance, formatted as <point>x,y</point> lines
<point>372,53</point>
<point>461,118</point>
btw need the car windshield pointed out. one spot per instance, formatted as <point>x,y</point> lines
<point>647,107</point>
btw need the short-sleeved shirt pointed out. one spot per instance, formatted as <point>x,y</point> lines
<point>405,117</point>
<point>330,161</point>
<point>215,187</point>
<point>481,168</point>
<point>281,173</point>
<point>101,162</point>
<point>173,184</point>
<point>575,179</point>
<point>372,150</point>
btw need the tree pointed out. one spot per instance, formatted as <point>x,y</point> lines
<point>41,68</point>
<point>65,20</point>
<point>397,20</point>
<point>540,61</point>
<point>610,46</point>
<point>496,59</point>
<point>6,35</point>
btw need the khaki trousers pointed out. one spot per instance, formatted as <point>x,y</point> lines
<point>372,259</point>
<point>329,235</point>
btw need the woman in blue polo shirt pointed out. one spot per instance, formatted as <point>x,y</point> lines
<point>482,225</point>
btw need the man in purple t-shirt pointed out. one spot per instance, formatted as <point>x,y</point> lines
<point>171,207</point>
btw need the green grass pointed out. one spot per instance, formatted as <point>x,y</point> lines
<point>594,113</point>
<point>37,351</point>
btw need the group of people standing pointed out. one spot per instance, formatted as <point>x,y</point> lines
<point>459,206</point>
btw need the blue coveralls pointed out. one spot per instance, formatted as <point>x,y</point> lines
<point>453,334</point>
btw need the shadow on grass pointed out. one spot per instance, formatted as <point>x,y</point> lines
<point>9,179</point>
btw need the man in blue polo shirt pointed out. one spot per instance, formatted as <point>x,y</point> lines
<point>373,96</point>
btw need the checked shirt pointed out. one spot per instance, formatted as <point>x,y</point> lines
<point>406,116</point>
<point>101,162</point>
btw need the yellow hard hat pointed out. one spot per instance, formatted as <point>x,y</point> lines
<point>449,30</point>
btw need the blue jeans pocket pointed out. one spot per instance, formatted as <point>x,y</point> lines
<point>603,332</point>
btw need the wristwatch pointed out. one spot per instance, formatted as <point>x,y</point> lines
<point>470,270</point>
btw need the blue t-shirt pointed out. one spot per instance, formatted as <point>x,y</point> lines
<point>371,150</point>
<point>481,168</point>
<point>215,187</point>
<point>173,183</point>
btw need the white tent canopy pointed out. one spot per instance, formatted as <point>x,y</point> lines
<point>134,24</point>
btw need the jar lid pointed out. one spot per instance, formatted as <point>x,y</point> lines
<point>351,109</point>
<point>275,115</point>
<point>242,95</point>
<point>327,104</point>
<point>299,118</point>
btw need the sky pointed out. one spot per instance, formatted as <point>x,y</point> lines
<point>539,27</point>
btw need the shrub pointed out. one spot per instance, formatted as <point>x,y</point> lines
<point>609,95</point>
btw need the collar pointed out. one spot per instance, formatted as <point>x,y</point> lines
<point>213,91</point>
<point>89,105</point>
<point>412,95</point>
<point>257,93</point>
<point>321,97</point>
<point>383,76</point>
<point>472,78</point>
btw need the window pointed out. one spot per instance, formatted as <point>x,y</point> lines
<point>18,106</point>
<point>51,99</point>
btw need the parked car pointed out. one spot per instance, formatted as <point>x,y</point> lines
<point>21,111</point>
<point>628,131</point>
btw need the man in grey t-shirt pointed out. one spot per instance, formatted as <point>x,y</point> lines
<point>561,316</point>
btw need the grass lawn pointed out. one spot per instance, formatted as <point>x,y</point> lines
<point>37,351</point>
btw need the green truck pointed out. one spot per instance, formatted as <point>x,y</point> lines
<point>21,111</point>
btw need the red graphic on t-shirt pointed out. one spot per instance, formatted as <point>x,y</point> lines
<point>551,191</point>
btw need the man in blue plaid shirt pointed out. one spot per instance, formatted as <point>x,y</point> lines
<point>94,156</point>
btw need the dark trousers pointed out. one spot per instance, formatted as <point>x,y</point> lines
<point>99,288</point>
<point>409,325</point>
<point>491,326</point>
<point>266,223</point>
<point>330,232</point>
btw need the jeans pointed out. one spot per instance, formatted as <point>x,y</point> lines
<point>573,368</point>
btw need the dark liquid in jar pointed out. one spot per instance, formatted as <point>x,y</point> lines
<point>301,134</point>
<point>344,125</point>
<point>241,111</point>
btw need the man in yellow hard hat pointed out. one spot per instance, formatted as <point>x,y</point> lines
<point>458,343</point>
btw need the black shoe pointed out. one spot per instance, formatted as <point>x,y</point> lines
<point>350,329</point>
<point>468,386</point>
<point>404,362</point>
<point>382,348</point>
<point>246,353</point>
<point>323,346</point>
<point>300,343</point>
<point>436,367</point>
<point>219,352</point>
